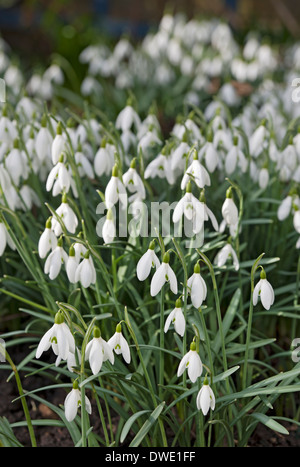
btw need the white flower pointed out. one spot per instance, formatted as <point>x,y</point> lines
<point>43,142</point>
<point>285,207</point>
<point>296,220</point>
<point>192,362</point>
<point>115,190</point>
<point>59,145</point>
<point>163,274</point>
<point>189,206</point>
<point>197,287</point>
<point>133,182</point>
<point>59,178</point>
<point>109,228</point>
<point>98,351</point>
<point>119,344</point>
<point>85,272</point>
<point>148,261</point>
<point>73,401</point>
<point>176,317</point>
<point>67,216</point>
<point>72,265</point>
<point>47,241</point>
<point>55,260</point>
<point>16,163</point>
<point>179,155</point>
<point>104,158</point>
<point>160,167</point>
<point>127,118</point>
<point>5,239</point>
<point>197,172</point>
<point>229,210</point>
<point>211,156</point>
<point>263,178</point>
<point>235,157</point>
<point>224,254</point>
<point>257,139</point>
<point>84,166</point>
<point>264,290</point>
<point>59,337</point>
<point>205,398</point>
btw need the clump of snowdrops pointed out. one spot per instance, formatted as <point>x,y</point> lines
<point>161,329</point>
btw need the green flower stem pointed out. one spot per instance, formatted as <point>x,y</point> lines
<point>22,395</point>
<point>250,319</point>
<point>162,345</point>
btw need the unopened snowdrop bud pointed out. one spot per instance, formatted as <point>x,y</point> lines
<point>73,402</point>
<point>67,216</point>
<point>285,207</point>
<point>115,190</point>
<point>104,158</point>
<point>264,290</point>
<point>163,274</point>
<point>119,344</point>
<point>148,261</point>
<point>211,155</point>
<point>16,163</point>
<point>55,260</point>
<point>205,398</point>
<point>48,240</point>
<point>197,287</point>
<point>85,272</point>
<point>192,362</point>
<point>229,210</point>
<point>59,145</point>
<point>5,239</point>
<point>98,351</point>
<point>263,178</point>
<point>224,254</point>
<point>59,337</point>
<point>109,229</point>
<point>176,317</point>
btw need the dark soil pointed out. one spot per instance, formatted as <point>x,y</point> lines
<point>49,436</point>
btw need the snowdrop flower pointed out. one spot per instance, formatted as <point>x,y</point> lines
<point>109,228</point>
<point>192,362</point>
<point>229,210</point>
<point>257,140</point>
<point>224,254</point>
<point>72,265</point>
<point>119,344</point>
<point>43,141</point>
<point>263,178</point>
<point>133,182</point>
<point>104,158</point>
<point>84,166</point>
<point>59,145</point>
<point>285,207</point>
<point>197,172</point>
<point>16,163</point>
<point>264,290</point>
<point>147,141</point>
<point>176,317</point>
<point>47,241</point>
<point>59,178</point>
<point>98,351</point>
<point>59,337</point>
<point>65,215</point>
<point>5,239</point>
<point>189,207</point>
<point>197,287</point>
<point>179,155</point>
<point>8,131</point>
<point>210,155</point>
<point>296,220</point>
<point>85,272</point>
<point>163,274</point>
<point>115,190</point>
<point>160,167</point>
<point>205,398</point>
<point>202,214</point>
<point>55,260</point>
<point>148,261</point>
<point>73,401</point>
<point>235,157</point>
<point>127,118</point>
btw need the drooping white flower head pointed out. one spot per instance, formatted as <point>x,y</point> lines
<point>205,398</point>
<point>176,317</point>
<point>197,287</point>
<point>104,158</point>
<point>59,337</point>
<point>160,167</point>
<point>128,118</point>
<point>85,272</point>
<point>48,240</point>
<point>133,182</point>
<point>55,260</point>
<point>235,158</point>
<point>59,145</point>
<point>192,362</point>
<point>43,141</point>
<point>230,212</point>
<point>119,344</point>
<point>264,290</point>
<point>224,254</point>
<point>109,228</point>
<point>73,402</point>
<point>189,207</point>
<point>59,178</point>
<point>66,216</point>
<point>72,265</point>
<point>257,140</point>
<point>163,274</point>
<point>115,190</point>
<point>16,163</point>
<point>98,351</point>
<point>148,261</point>
<point>197,172</point>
